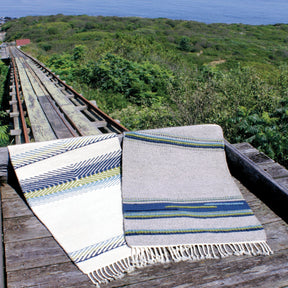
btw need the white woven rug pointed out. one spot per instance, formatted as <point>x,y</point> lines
<point>73,187</point>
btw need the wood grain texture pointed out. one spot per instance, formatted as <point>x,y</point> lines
<point>29,264</point>
<point>41,128</point>
<point>256,179</point>
<point>34,253</point>
<point>3,164</point>
<point>23,228</point>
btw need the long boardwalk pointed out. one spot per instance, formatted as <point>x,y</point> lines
<point>47,107</point>
<point>34,259</point>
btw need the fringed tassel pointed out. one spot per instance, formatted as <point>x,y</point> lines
<point>142,256</point>
<point>112,272</point>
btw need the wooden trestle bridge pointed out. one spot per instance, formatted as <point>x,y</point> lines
<point>42,107</point>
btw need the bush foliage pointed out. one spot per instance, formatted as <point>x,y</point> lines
<point>160,72</point>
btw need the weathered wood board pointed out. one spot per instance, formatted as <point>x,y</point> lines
<point>83,124</point>
<point>41,128</point>
<point>54,119</point>
<point>34,259</point>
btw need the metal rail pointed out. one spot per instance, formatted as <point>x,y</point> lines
<point>90,105</point>
<point>20,108</point>
<point>97,121</point>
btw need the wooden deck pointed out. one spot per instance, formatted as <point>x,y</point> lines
<point>34,259</point>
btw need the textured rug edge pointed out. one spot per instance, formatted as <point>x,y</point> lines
<point>143,256</point>
<point>111,272</point>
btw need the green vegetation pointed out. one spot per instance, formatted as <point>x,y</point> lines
<point>4,136</point>
<point>160,72</point>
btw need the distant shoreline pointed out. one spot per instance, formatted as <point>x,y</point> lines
<point>257,12</point>
<point>205,22</point>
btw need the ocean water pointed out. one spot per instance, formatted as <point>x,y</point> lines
<point>254,12</point>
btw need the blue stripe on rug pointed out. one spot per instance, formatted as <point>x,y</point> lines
<point>185,214</point>
<point>75,191</point>
<point>193,231</point>
<point>97,249</point>
<point>72,172</point>
<point>194,206</point>
<point>53,149</point>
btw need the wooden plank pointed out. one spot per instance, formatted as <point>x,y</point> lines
<point>245,148</point>
<point>2,251</point>
<point>100,124</point>
<point>275,170</point>
<point>283,182</point>
<point>238,271</point>
<point>15,207</point>
<point>23,228</point>
<point>42,130</point>
<point>252,153</point>
<point>34,253</point>
<point>156,275</point>
<point>83,124</point>
<point>260,158</point>
<point>262,212</point>
<point>14,114</point>
<point>7,192</point>
<point>58,275</point>
<point>16,120</point>
<point>277,235</point>
<point>257,181</point>
<point>3,164</point>
<point>55,120</point>
<point>15,132</point>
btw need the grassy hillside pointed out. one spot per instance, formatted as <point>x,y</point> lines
<point>161,72</point>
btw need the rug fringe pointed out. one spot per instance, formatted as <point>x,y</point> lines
<point>142,256</point>
<point>112,272</point>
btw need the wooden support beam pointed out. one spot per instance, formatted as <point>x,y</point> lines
<point>100,124</point>
<point>81,107</point>
<point>93,102</point>
<point>14,114</point>
<point>15,132</point>
<point>11,102</point>
<point>257,180</point>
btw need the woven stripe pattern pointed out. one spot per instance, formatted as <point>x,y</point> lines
<point>73,186</point>
<point>178,199</point>
<point>177,190</point>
